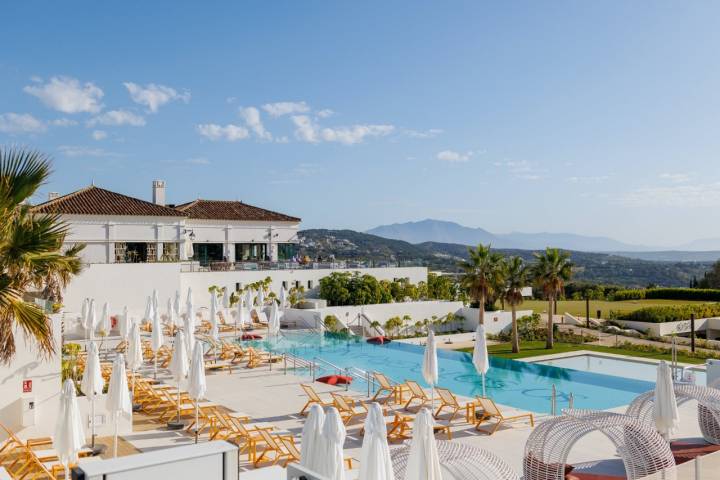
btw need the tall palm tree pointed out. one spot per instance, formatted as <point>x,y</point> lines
<point>30,256</point>
<point>516,278</point>
<point>551,270</point>
<point>481,272</point>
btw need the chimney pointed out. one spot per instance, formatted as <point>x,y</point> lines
<point>158,192</point>
<point>53,196</point>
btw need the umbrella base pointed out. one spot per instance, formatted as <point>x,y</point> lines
<point>136,407</point>
<point>175,425</point>
<point>97,450</point>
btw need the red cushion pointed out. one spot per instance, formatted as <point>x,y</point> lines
<point>379,340</point>
<point>250,336</point>
<point>335,379</point>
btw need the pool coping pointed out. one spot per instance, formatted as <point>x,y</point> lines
<point>578,353</point>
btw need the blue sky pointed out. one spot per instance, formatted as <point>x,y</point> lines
<point>586,117</point>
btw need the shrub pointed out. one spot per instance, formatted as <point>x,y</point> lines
<point>331,323</point>
<point>701,294</point>
<point>632,294</point>
<point>669,313</point>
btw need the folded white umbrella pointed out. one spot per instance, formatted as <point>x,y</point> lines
<point>430,364</point>
<point>665,409</point>
<point>242,315</point>
<point>179,365</point>
<point>226,299</point>
<point>423,462</point>
<point>189,327</point>
<point>118,396</point>
<point>311,444</point>
<point>156,339</point>
<point>155,300</point>
<point>333,433</point>
<point>375,462</point>
<point>189,298</point>
<point>261,297</point>
<point>274,321</point>
<point>91,321</point>
<point>480,355</point>
<point>148,316</point>
<point>176,303</point>
<point>124,324</point>
<point>84,312</point>
<point>214,316</point>
<point>105,323</point>
<point>92,383</point>
<point>169,310</point>
<point>249,300</point>
<point>189,251</point>
<point>69,436</point>
<point>196,380</point>
<point>283,297</point>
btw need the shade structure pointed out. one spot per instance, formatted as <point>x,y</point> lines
<point>155,300</point>
<point>311,446</point>
<point>148,315</point>
<point>375,463</point>
<point>226,299</point>
<point>423,461</point>
<point>189,297</point>
<point>189,328</point>
<point>430,363</point>
<point>92,383</point>
<point>249,298</point>
<point>241,315</point>
<point>261,297</point>
<point>283,297</point>
<point>156,340</point>
<point>274,320</point>
<point>177,304</point>
<point>118,400</point>
<point>69,434</point>
<point>196,380</point>
<point>214,316</point>
<point>91,321</point>
<point>105,324</point>
<point>480,355</point>
<point>134,350</point>
<point>333,434</point>
<point>665,409</point>
<point>84,311</point>
<point>124,323</point>
<point>189,250</point>
<point>179,365</point>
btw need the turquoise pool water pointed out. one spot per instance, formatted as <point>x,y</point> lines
<point>522,385</point>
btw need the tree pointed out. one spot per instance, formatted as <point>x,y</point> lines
<point>551,270</point>
<point>30,252</point>
<point>480,272</point>
<point>331,323</point>
<point>516,278</point>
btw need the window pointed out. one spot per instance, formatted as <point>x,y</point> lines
<point>297,283</point>
<point>284,284</point>
<point>208,252</point>
<point>250,252</point>
<point>170,252</point>
<point>286,251</point>
<point>238,286</point>
<point>310,285</point>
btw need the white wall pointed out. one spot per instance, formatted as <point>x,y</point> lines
<point>46,383</point>
<point>666,328</point>
<point>495,322</point>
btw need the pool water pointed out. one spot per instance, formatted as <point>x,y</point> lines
<point>523,385</point>
<point>615,366</point>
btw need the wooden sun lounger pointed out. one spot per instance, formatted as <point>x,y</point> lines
<point>394,391</point>
<point>450,401</point>
<point>416,393</point>
<point>492,412</point>
<point>348,407</point>
<point>313,397</point>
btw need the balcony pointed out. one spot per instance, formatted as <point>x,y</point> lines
<point>219,266</point>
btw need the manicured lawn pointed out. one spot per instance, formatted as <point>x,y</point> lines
<point>577,307</point>
<point>535,349</point>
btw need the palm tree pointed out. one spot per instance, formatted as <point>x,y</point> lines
<point>481,272</point>
<point>551,270</point>
<point>516,278</point>
<point>30,256</point>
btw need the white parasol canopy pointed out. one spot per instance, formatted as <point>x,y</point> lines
<point>311,446</point>
<point>242,316</point>
<point>179,364</point>
<point>274,321</point>
<point>430,361</point>
<point>90,321</point>
<point>134,351</point>
<point>283,297</point>
<point>375,463</point>
<point>213,316</point>
<point>69,435</point>
<point>157,339</point>
<point>423,461</point>
<point>118,396</point>
<point>105,323</point>
<point>665,409</point>
<point>84,312</point>
<point>189,251</point>
<point>480,355</point>
<point>124,324</point>
<point>196,380</point>
<point>92,383</point>
<point>226,299</point>
<point>155,300</point>
<point>333,434</point>
<point>176,303</point>
<point>189,327</point>
<point>148,316</point>
<point>261,297</point>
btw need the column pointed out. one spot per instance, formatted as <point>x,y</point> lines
<point>158,242</point>
<point>181,239</point>
<point>110,243</point>
<point>228,253</point>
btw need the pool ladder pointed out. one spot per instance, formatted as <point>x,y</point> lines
<point>553,401</point>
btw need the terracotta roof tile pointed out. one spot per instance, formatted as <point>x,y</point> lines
<point>231,210</point>
<point>98,201</point>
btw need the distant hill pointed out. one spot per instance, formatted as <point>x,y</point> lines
<point>595,267</point>
<point>450,232</point>
<point>674,256</point>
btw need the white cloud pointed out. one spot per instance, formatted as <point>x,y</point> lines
<point>81,151</point>
<point>20,123</point>
<point>308,131</point>
<point>325,113</point>
<point>67,95</point>
<point>696,195</point>
<point>590,179</point>
<point>117,118</point>
<point>251,115</point>
<point>154,96</point>
<point>63,122</point>
<point>198,161</point>
<point>453,156</point>
<point>279,109</point>
<point>228,132</point>
<point>99,134</point>
<point>431,133</point>
<point>676,177</point>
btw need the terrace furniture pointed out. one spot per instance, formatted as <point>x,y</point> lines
<point>641,448</point>
<point>492,412</point>
<point>449,400</point>
<point>348,407</point>
<point>313,397</point>
<point>393,390</point>
<point>277,445</point>
<point>256,357</point>
<point>416,393</point>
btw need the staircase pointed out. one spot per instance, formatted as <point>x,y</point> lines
<point>358,330</point>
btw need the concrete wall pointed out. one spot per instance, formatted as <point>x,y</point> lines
<point>495,322</point>
<point>669,328</point>
<point>46,383</point>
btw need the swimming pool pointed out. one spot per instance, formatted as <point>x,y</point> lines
<point>618,367</point>
<point>523,385</point>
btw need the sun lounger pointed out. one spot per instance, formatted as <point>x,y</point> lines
<point>278,446</point>
<point>348,407</point>
<point>416,393</point>
<point>449,400</point>
<point>313,397</point>
<point>394,391</point>
<point>492,412</point>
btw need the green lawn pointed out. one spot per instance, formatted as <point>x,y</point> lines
<point>535,349</point>
<point>577,307</point>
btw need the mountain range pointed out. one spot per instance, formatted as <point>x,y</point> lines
<point>450,232</point>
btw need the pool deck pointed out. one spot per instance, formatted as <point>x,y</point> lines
<point>577,353</point>
<point>275,397</point>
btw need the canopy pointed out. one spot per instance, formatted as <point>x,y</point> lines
<point>213,316</point>
<point>155,299</point>
<point>92,381</point>
<point>135,352</point>
<point>424,461</point>
<point>105,323</point>
<point>196,377</point>
<point>157,339</point>
<point>69,436</point>
<point>179,364</point>
<point>283,297</point>
<point>148,316</point>
<point>84,311</point>
<point>333,433</point>
<point>480,355</point>
<point>430,361</point>
<point>91,321</point>
<point>226,299</point>
<point>261,297</point>
<point>274,321</point>
<point>118,396</point>
<point>665,409</point>
<point>249,300</point>
<point>311,447</point>
<point>176,303</point>
<point>375,463</point>
<point>189,327</point>
<point>124,324</point>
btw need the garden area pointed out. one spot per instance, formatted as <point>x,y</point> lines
<point>577,307</point>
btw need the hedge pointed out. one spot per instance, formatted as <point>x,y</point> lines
<point>634,294</point>
<point>669,313</point>
<point>684,294</point>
